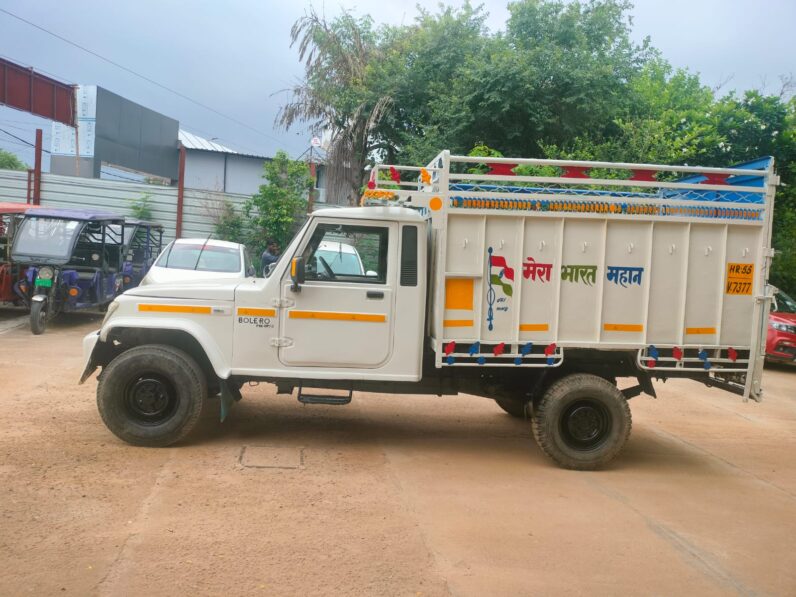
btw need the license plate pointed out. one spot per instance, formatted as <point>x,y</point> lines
<point>44,283</point>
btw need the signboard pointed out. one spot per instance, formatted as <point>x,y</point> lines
<point>63,136</point>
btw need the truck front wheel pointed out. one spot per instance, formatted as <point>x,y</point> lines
<point>151,395</point>
<point>582,422</point>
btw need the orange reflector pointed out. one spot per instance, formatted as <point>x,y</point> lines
<point>256,312</point>
<point>174,309</point>
<point>700,331</point>
<point>534,327</point>
<point>334,316</point>
<point>457,323</point>
<point>623,327</point>
<point>73,292</point>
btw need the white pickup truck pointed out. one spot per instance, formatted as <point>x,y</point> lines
<point>536,283</point>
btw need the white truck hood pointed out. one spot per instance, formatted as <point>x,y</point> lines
<point>220,290</point>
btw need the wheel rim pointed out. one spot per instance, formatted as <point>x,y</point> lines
<point>586,424</point>
<point>150,399</point>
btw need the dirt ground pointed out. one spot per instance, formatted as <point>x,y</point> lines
<point>391,495</point>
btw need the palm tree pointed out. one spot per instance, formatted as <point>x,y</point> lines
<point>333,95</point>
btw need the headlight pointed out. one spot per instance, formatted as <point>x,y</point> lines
<point>783,327</point>
<point>111,310</point>
<point>46,273</point>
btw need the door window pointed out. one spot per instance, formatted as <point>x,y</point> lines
<point>344,253</point>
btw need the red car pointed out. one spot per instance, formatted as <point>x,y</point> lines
<point>781,338</point>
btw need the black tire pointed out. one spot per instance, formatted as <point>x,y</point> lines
<point>151,395</point>
<point>38,317</point>
<point>582,422</point>
<point>516,408</point>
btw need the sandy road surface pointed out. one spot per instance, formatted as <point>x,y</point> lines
<point>391,495</point>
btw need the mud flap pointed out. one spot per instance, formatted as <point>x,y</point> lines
<point>229,396</point>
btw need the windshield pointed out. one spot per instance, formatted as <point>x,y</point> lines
<point>785,304</point>
<point>46,237</point>
<point>212,258</point>
<point>339,262</point>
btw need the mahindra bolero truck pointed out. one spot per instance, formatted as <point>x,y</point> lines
<point>535,283</point>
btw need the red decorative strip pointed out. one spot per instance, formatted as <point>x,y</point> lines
<point>551,348</point>
<point>715,179</point>
<point>499,349</point>
<point>450,347</point>
<point>677,353</point>
<point>651,363</point>
<point>502,169</point>
<point>644,175</point>
<point>733,354</point>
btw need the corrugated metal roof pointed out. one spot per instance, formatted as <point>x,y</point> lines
<point>191,141</point>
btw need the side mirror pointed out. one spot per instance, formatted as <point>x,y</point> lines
<point>297,273</point>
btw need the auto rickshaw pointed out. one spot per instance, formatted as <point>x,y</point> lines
<point>74,261</point>
<point>142,244</point>
<point>10,273</point>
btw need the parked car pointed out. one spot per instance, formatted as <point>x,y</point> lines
<point>781,338</point>
<point>200,259</point>
<point>334,258</point>
<point>74,261</point>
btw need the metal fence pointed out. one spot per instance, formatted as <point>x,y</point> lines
<point>200,208</point>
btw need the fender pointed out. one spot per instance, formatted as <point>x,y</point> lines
<point>218,357</point>
<point>38,298</point>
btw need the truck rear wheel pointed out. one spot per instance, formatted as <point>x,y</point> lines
<point>151,395</point>
<point>582,422</point>
<point>516,408</point>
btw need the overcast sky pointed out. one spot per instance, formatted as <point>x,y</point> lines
<point>235,56</point>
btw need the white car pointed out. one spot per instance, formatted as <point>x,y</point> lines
<point>200,259</point>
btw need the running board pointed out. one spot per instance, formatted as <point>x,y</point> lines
<point>323,398</point>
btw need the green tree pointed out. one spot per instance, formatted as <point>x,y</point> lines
<point>278,209</point>
<point>335,96</point>
<point>230,224</point>
<point>9,161</point>
<point>141,208</point>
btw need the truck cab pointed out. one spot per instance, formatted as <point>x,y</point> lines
<point>537,292</point>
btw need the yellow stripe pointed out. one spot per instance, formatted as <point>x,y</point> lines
<point>700,331</point>
<point>175,309</point>
<point>257,312</point>
<point>457,323</point>
<point>534,327</point>
<point>333,316</point>
<point>623,327</point>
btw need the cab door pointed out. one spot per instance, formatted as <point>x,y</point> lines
<point>343,314</point>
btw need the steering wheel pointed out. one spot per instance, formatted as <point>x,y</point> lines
<point>327,267</point>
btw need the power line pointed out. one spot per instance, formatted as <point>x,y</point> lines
<point>140,76</point>
<point>21,139</point>
<point>123,177</point>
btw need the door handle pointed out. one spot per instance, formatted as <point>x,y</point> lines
<point>375,294</point>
